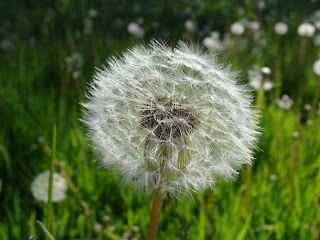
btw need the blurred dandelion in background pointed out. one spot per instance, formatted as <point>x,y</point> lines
<point>40,185</point>
<point>237,28</point>
<point>280,28</point>
<point>213,42</point>
<point>306,30</point>
<point>259,78</point>
<point>136,30</point>
<point>285,102</point>
<point>316,67</point>
<point>191,25</point>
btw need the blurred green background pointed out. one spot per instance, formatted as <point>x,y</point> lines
<point>48,53</point>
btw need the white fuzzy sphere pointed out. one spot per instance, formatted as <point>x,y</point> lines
<point>135,30</point>
<point>285,102</point>
<point>191,25</point>
<point>306,30</point>
<point>237,28</point>
<point>40,186</point>
<point>212,44</point>
<point>316,67</point>
<point>281,28</point>
<point>173,119</point>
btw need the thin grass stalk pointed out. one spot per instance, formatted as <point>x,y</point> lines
<point>48,234</point>
<point>61,164</point>
<point>49,212</point>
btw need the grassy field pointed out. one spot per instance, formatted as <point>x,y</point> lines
<point>49,53</point>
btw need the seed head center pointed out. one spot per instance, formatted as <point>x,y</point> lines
<point>169,118</point>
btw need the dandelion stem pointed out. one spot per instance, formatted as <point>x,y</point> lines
<point>49,212</point>
<point>157,203</point>
<point>155,215</point>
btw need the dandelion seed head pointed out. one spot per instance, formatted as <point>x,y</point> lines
<point>253,26</point>
<point>136,30</point>
<point>306,30</point>
<point>40,186</point>
<point>191,25</point>
<point>213,44</point>
<point>179,103</point>
<point>259,78</point>
<point>316,67</point>
<point>285,102</point>
<point>237,28</point>
<point>281,28</point>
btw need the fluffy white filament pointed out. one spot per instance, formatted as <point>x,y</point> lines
<point>214,144</point>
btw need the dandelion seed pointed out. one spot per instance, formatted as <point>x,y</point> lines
<point>259,78</point>
<point>93,13</point>
<point>136,30</point>
<point>190,25</point>
<point>316,40</point>
<point>179,103</point>
<point>97,228</point>
<point>295,134</point>
<point>281,28</point>
<point>237,28</point>
<point>306,30</point>
<point>76,60</point>
<point>40,185</point>
<point>316,67</point>
<point>213,43</point>
<point>285,102</point>
<point>253,26</point>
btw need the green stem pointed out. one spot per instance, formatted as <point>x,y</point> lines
<point>51,178</point>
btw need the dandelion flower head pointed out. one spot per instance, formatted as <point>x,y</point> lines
<point>40,186</point>
<point>173,119</point>
<point>237,28</point>
<point>281,28</point>
<point>285,102</point>
<point>306,30</point>
<point>259,78</point>
<point>135,30</point>
<point>316,67</point>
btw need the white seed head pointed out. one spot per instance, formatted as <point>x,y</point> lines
<point>281,28</point>
<point>306,30</point>
<point>173,119</point>
<point>316,40</point>
<point>40,186</point>
<point>285,102</point>
<point>212,44</point>
<point>259,78</point>
<point>135,30</point>
<point>190,25</point>
<point>266,70</point>
<point>253,25</point>
<point>237,28</point>
<point>295,134</point>
<point>316,67</point>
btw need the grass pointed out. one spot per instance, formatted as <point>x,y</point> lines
<point>37,91</point>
